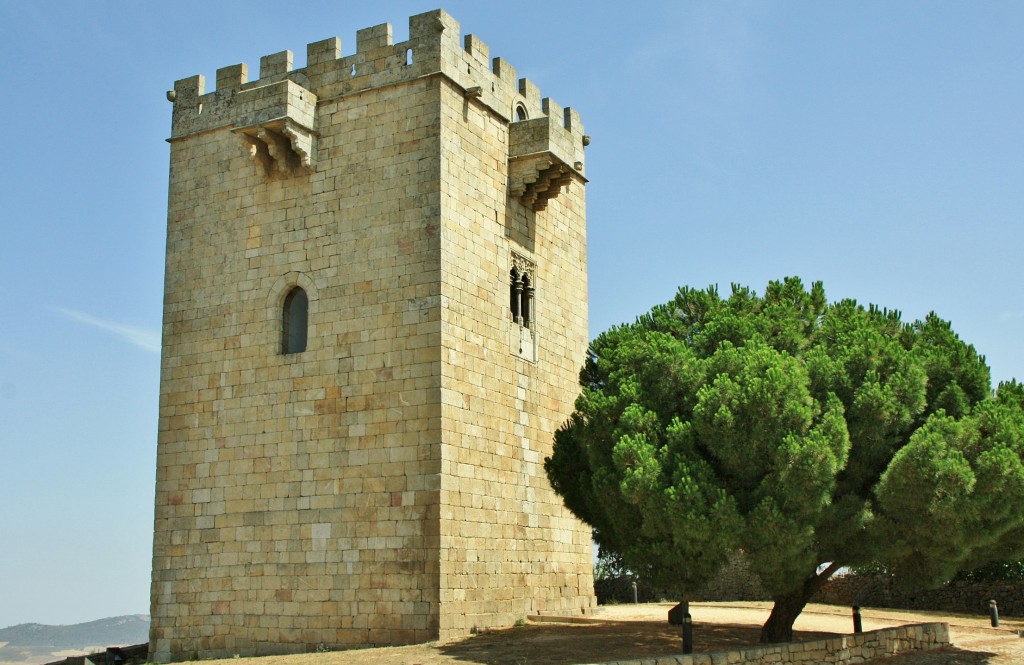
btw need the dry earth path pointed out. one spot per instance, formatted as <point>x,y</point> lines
<point>625,632</point>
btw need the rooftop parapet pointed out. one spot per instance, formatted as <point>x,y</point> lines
<point>433,48</point>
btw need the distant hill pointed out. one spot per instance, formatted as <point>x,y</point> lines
<point>32,643</point>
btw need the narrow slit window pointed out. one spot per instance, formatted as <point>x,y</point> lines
<point>295,321</point>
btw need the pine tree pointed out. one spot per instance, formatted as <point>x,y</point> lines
<point>810,435</point>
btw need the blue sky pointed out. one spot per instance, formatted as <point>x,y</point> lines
<point>876,146</point>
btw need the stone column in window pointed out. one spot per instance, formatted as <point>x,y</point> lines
<point>515,297</point>
<point>527,301</point>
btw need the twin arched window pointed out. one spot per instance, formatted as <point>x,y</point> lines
<point>294,321</point>
<point>521,298</point>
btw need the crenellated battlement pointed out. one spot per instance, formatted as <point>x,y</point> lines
<point>433,48</point>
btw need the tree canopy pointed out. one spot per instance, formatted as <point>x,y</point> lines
<point>810,435</point>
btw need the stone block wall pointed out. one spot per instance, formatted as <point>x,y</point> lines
<point>385,485</point>
<point>505,533</point>
<point>297,494</point>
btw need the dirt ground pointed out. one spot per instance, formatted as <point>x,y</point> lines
<point>631,632</point>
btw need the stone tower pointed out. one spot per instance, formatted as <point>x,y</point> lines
<point>374,314</point>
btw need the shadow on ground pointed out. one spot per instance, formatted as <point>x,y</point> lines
<point>565,644</point>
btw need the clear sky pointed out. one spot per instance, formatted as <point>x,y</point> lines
<point>877,146</point>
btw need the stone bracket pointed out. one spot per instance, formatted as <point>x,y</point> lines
<point>280,147</point>
<point>538,179</point>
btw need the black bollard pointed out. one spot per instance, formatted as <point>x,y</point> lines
<point>993,612</point>
<point>687,633</point>
<point>858,627</point>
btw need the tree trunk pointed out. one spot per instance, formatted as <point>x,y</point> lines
<point>779,626</point>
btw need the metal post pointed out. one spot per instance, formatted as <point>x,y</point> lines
<point>858,627</point>
<point>634,592</point>
<point>687,633</point>
<point>993,611</point>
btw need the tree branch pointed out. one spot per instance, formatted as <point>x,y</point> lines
<point>814,583</point>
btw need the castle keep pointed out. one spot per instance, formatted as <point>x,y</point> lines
<point>375,310</point>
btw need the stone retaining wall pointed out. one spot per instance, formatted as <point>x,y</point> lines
<point>735,581</point>
<point>966,597</point>
<point>842,650</point>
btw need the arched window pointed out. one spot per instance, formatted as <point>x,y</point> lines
<point>521,298</point>
<point>294,321</point>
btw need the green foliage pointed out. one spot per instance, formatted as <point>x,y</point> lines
<point>999,571</point>
<point>799,431</point>
<point>608,565</point>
